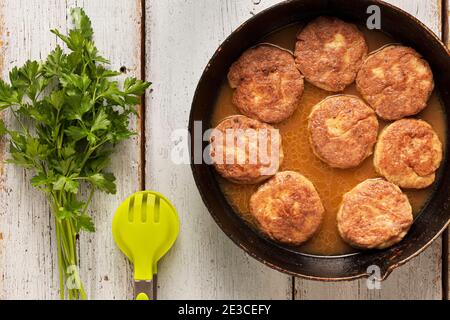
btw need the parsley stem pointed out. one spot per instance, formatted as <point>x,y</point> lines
<point>95,90</point>
<point>69,240</point>
<point>67,259</point>
<point>86,206</point>
<point>60,260</point>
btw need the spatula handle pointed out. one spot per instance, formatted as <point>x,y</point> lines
<point>143,289</point>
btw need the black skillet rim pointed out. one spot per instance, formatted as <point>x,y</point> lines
<point>386,269</point>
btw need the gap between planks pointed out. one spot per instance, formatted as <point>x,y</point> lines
<point>142,116</point>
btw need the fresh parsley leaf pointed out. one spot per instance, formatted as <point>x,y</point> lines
<point>56,63</point>
<point>39,180</point>
<point>67,184</point>
<point>84,222</point>
<point>63,213</point>
<point>82,22</point>
<point>43,182</point>
<point>76,133</point>
<point>68,151</point>
<point>135,86</point>
<point>101,121</point>
<point>104,182</point>
<point>36,150</point>
<point>80,82</point>
<point>56,99</point>
<point>8,96</point>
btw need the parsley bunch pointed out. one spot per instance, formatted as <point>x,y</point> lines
<point>69,116</point>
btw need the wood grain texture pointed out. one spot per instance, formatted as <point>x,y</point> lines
<point>421,278</point>
<point>429,12</point>
<point>181,36</point>
<point>27,247</point>
<point>118,36</point>
<point>204,264</point>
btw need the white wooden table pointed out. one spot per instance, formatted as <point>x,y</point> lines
<point>170,42</point>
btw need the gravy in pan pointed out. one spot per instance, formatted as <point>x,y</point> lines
<point>298,156</point>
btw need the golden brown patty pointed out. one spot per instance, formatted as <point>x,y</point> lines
<point>396,82</point>
<point>329,53</point>
<point>267,82</point>
<point>343,131</point>
<point>287,208</point>
<point>374,214</point>
<point>239,155</point>
<point>408,153</point>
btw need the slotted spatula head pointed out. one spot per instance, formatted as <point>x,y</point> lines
<point>144,228</point>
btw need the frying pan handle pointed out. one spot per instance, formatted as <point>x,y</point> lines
<point>143,289</point>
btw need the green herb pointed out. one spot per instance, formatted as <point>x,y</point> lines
<point>70,115</point>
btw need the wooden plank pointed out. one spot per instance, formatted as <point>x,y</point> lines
<point>418,279</point>
<point>421,278</point>
<point>222,270</point>
<point>204,264</point>
<point>106,272</point>
<point>429,12</point>
<point>27,248</point>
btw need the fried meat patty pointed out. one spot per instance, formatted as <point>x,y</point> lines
<point>267,84</point>
<point>245,150</point>
<point>342,131</point>
<point>375,214</point>
<point>287,208</point>
<point>329,53</point>
<point>408,153</point>
<point>396,82</point>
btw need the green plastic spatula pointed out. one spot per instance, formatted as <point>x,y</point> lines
<point>144,228</point>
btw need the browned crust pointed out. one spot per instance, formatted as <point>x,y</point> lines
<point>374,214</point>
<point>342,131</point>
<point>329,53</point>
<point>246,172</point>
<point>287,208</point>
<point>396,82</point>
<point>408,153</point>
<point>268,86</point>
